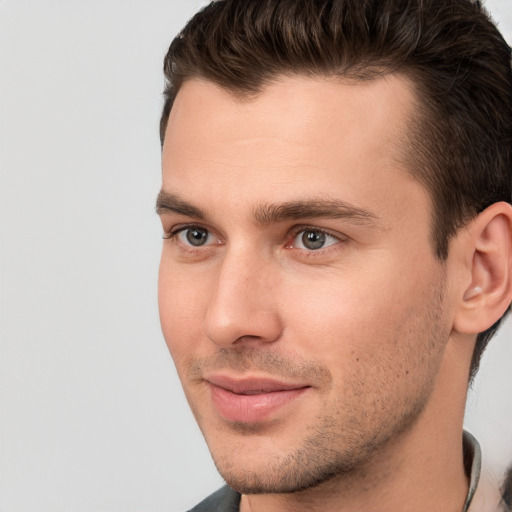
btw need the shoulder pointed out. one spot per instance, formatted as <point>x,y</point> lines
<point>223,500</point>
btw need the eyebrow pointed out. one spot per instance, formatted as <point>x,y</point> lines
<point>273,213</point>
<point>167,202</point>
<point>314,208</point>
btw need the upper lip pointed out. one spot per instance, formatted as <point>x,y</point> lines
<point>252,385</point>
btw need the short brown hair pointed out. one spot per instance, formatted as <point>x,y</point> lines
<point>460,147</point>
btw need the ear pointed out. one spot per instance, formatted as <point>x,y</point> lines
<point>488,253</point>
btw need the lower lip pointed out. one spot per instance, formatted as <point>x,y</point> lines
<point>251,408</point>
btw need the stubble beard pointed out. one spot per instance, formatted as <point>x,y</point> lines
<point>326,454</point>
<point>345,444</point>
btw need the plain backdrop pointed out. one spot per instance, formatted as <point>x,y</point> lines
<point>92,416</point>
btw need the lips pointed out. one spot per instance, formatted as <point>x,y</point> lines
<point>251,400</point>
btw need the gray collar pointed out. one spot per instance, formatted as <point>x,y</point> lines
<point>473,464</point>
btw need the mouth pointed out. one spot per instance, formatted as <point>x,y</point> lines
<point>252,400</point>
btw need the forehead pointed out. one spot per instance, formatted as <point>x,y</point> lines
<point>295,103</point>
<point>297,136</point>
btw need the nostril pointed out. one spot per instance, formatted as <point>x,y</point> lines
<point>253,328</point>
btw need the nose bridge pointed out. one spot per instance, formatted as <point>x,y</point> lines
<point>242,303</point>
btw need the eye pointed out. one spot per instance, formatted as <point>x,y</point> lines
<point>313,239</point>
<point>194,236</point>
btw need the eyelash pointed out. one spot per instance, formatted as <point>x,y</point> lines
<point>176,230</point>
<point>173,233</point>
<point>294,234</point>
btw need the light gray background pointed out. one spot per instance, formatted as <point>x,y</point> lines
<point>92,416</point>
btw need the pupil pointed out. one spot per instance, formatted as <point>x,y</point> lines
<point>313,239</point>
<point>197,236</point>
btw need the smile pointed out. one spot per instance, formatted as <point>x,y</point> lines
<point>251,400</point>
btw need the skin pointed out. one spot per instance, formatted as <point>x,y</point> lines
<point>363,325</point>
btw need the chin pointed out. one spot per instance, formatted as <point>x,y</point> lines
<point>303,469</point>
<point>280,484</point>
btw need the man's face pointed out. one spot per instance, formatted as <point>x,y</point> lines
<point>299,294</point>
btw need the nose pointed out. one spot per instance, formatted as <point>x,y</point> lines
<point>243,307</point>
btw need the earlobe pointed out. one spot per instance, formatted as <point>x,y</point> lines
<point>489,293</point>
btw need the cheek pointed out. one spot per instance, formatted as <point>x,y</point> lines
<point>344,309</point>
<point>181,307</point>
<point>375,319</point>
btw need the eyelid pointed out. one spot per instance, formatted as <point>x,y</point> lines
<point>299,229</point>
<point>175,230</point>
<point>178,228</point>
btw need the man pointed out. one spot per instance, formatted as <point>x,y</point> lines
<point>337,246</point>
